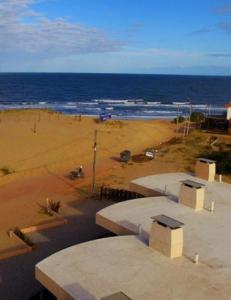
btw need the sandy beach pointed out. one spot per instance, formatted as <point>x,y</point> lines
<point>40,148</point>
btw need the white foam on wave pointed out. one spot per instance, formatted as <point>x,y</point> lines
<point>109,101</point>
<point>160,111</point>
<point>124,109</point>
<point>181,103</point>
<point>87,103</point>
<point>153,103</point>
<point>69,106</point>
<point>133,117</point>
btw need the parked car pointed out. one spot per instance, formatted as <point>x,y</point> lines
<point>104,116</point>
<point>125,155</point>
<point>150,153</point>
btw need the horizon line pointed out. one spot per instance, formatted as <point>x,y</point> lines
<point>113,73</point>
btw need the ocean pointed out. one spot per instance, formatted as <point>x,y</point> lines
<point>124,96</point>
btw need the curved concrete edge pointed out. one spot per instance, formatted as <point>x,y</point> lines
<point>51,285</point>
<point>112,226</point>
<point>147,192</point>
<point>47,271</point>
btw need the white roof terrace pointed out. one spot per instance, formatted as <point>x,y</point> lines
<point>98,269</point>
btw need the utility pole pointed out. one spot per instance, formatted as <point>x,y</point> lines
<point>207,111</point>
<point>177,120</point>
<point>94,160</point>
<point>185,126</point>
<point>189,120</point>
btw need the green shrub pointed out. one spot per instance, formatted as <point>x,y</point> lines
<point>6,170</point>
<point>180,119</point>
<point>197,117</point>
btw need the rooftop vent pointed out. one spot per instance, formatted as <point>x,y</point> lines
<point>166,236</point>
<point>206,169</point>
<point>192,194</point>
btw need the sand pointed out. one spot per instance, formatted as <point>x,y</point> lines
<point>39,148</point>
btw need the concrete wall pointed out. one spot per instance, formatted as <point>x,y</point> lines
<point>192,197</point>
<point>205,171</point>
<point>166,240</point>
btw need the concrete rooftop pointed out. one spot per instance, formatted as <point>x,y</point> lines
<point>170,182</point>
<point>205,233</point>
<point>100,268</point>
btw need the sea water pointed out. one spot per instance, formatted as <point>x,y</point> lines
<point>124,96</point>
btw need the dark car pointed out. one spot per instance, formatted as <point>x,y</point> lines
<point>125,155</point>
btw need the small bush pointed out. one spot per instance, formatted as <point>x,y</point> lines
<point>180,119</point>
<point>175,141</point>
<point>139,158</point>
<point>208,147</point>
<point>45,210</point>
<point>23,237</point>
<point>97,120</point>
<point>197,117</point>
<point>221,147</point>
<point>6,171</point>
<point>115,123</point>
<point>54,205</point>
<point>50,207</point>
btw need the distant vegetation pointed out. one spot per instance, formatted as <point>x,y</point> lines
<point>180,119</point>
<point>115,123</point>
<point>223,159</point>
<point>197,117</point>
<point>183,152</point>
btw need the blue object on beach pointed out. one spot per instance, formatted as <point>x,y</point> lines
<point>105,116</point>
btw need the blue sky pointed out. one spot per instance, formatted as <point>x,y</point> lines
<point>116,36</point>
